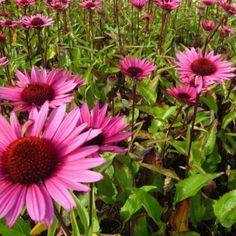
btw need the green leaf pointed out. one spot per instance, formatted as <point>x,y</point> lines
<point>228,119</point>
<point>211,139</point>
<point>161,170</point>
<point>151,205</point>
<point>225,209</point>
<point>75,228</point>
<point>141,227</point>
<point>190,186</point>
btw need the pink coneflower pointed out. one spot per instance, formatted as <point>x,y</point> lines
<point>24,3</point>
<point>148,17</point>
<point>209,2</point>
<point>1,1</point>
<point>9,23</point>
<point>58,4</point>
<point>112,77</point>
<point>4,14</point>
<point>201,70</point>
<point>227,30</point>
<point>208,25</point>
<point>201,7</point>
<point>139,4</point>
<point>37,21</point>
<point>43,162</point>
<point>112,128</point>
<point>168,5</point>
<point>227,7</point>
<point>2,38</point>
<point>3,61</point>
<point>136,68</point>
<point>33,90</point>
<point>90,4</point>
<point>184,94</point>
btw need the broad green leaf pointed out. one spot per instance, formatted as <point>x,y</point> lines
<point>228,119</point>
<point>141,227</point>
<point>190,186</point>
<point>151,205</point>
<point>225,209</point>
<point>211,139</point>
<point>161,170</point>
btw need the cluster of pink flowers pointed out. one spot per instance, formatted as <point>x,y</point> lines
<point>54,150</point>
<point>139,4</point>
<point>197,72</point>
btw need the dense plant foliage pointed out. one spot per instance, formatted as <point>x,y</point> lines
<point>118,117</point>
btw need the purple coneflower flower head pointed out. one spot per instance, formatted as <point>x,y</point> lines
<point>112,128</point>
<point>24,3</point>
<point>209,2</point>
<point>201,71</point>
<point>148,17</point>
<point>2,1</point>
<point>10,23</point>
<point>43,162</point>
<point>3,61</point>
<point>139,4</point>
<point>201,7</point>
<point>185,94</point>
<point>58,4</point>
<point>35,89</point>
<point>90,4</point>
<point>168,5</point>
<point>136,68</point>
<point>227,30</point>
<point>36,21</point>
<point>230,9</point>
<point>208,25</point>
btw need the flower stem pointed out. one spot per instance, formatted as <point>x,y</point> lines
<point>91,32</point>
<point>58,37</point>
<point>191,135</point>
<point>169,128</point>
<point>117,23</point>
<point>91,200</point>
<point>40,42</point>
<point>210,37</point>
<point>133,110</point>
<point>65,229</point>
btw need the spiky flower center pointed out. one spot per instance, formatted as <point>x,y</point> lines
<point>98,140</point>
<point>134,71</point>
<point>37,21</point>
<point>8,22</point>
<point>29,160</point>
<point>203,67</point>
<point>90,5</point>
<point>37,93</point>
<point>183,95</point>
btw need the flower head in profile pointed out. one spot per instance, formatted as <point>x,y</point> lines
<point>139,4</point>
<point>3,61</point>
<point>167,5</point>
<point>227,30</point>
<point>136,68</point>
<point>10,23</point>
<point>208,25</point>
<point>24,3</point>
<point>33,90</point>
<point>185,94</point>
<point>148,17</point>
<point>90,4</point>
<point>201,71</point>
<point>112,128</point>
<point>36,21</point>
<point>201,7</point>
<point>58,4</point>
<point>42,160</point>
<point>230,9</point>
<point>209,2</point>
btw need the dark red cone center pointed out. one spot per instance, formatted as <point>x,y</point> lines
<point>29,160</point>
<point>184,95</point>
<point>37,93</point>
<point>203,67</point>
<point>37,21</point>
<point>134,71</point>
